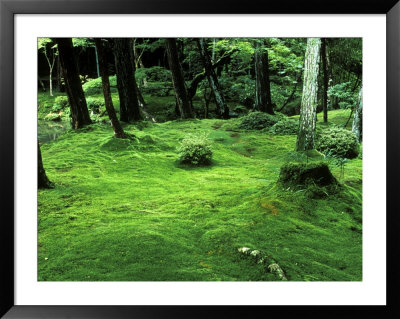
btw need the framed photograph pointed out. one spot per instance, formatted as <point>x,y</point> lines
<point>172,159</point>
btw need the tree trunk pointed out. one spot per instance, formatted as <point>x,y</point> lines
<point>97,61</point>
<point>263,89</point>
<point>183,102</point>
<point>325,71</point>
<point>118,131</point>
<point>129,105</point>
<point>51,81</point>
<point>357,120</point>
<point>76,98</point>
<point>43,181</point>
<point>222,109</point>
<point>305,136</point>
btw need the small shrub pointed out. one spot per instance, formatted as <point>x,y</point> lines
<point>95,105</point>
<point>60,103</point>
<point>285,127</point>
<point>155,73</point>
<point>257,121</point>
<point>93,87</point>
<point>337,142</point>
<point>195,150</point>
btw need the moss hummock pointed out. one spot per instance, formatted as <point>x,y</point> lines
<point>305,174</point>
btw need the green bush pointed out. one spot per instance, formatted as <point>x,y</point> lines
<point>155,73</point>
<point>60,103</point>
<point>195,150</point>
<point>95,87</point>
<point>343,94</point>
<point>257,121</point>
<point>337,142</point>
<point>159,89</point>
<point>285,127</point>
<point>95,105</point>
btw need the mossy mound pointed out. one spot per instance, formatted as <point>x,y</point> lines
<point>258,121</point>
<point>113,144</point>
<point>338,142</point>
<point>285,127</point>
<point>306,174</point>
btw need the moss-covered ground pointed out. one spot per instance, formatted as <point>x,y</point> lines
<point>126,210</point>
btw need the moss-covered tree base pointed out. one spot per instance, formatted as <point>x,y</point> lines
<point>306,174</point>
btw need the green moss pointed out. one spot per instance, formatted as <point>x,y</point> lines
<point>257,121</point>
<point>123,210</point>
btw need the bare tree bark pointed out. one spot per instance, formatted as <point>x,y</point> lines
<point>263,89</point>
<point>43,181</point>
<point>129,105</point>
<point>357,120</point>
<point>222,108</point>
<point>182,99</point>
<point>306,134</point>
<point>118,131</point>
<point>76,98</point>
<point>325,72</point>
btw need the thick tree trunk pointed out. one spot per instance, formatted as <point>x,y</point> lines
<point>118,131</point>
<point>305,137</point>
<point>182,99</point>
<point>76,98</point>
<point>263,89</point>
<point>222,109</point>
<point>43,181</point>
<point>325,71</point>
<point>129,105</point>
<point>357,120</point>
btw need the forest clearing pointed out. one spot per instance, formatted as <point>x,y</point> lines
<point>165,159</point>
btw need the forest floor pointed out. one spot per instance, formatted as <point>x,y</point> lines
<point>126,210</point>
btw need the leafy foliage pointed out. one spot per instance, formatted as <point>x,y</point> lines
<point>285,127</point>
<point>95,105</point>
<point>345,97</point>
<point>338,142</point>
<point>154,73</point>
<point>195,150</point>
<point>60,103</point>
<point>93,87</point>
<point>257,121</point>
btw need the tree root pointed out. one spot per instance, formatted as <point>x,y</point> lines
<point>265,260</point>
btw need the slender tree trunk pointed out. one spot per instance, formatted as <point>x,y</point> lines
<point>43,181</point>
<point>51,81</point>
<point>305,136</point>
<point>97,61</point>
<point>222,109</point>
<point>263,89</point>
<point>118,131</point>
<point>141,100</point>
<point>183,102</point>
<point>126,80</point>
<point>76,98</point>
<point>357,120</point>
<point>325,71</point>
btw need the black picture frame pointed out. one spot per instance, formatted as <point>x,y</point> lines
<point>8,9</point>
